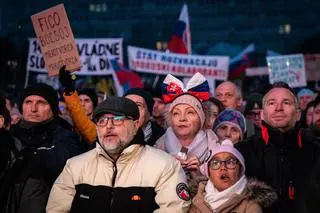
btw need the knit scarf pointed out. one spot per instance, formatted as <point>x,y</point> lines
<point>215,198</point>
<point>147,131</point>
<point>197,147</point>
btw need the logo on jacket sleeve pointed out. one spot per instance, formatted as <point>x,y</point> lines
<point>183,191</point>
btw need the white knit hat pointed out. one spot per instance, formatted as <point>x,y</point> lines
<point>225,146</point>
<point>191,101</point>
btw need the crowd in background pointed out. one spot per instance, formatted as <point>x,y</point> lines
<point>226,153</point>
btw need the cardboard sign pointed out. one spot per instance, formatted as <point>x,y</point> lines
<point>287,68</point>
<point>56,39</point>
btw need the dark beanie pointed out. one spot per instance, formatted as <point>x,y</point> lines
<point>91,93</point>
<point>254,101</point>
<point>145,95</point>
<point>118,106</point>
<point>46,92</point>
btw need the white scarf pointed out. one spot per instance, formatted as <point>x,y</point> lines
<point>197,147</point>
<point>215,198</point>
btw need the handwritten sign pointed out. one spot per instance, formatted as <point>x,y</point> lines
<point>156,62</point>
<point>287,68</point>
<point>56,39</point>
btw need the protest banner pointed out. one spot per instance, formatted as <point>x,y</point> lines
<point>94,54</point>
<point>287,68</point>
<point>156,62</point>
<point>57,43</point>
<point>312,64</point>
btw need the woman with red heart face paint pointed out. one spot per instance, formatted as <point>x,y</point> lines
<point>227,188</point>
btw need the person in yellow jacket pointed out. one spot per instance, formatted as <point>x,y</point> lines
<point>122,174</point>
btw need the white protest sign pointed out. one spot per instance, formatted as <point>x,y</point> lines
<point>287,68</point>
<point>94,54</point>
<point>156,62</point>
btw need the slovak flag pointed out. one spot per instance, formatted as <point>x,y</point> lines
<point>180,41</point>
<point>238,64</point>
<point>124,78</point>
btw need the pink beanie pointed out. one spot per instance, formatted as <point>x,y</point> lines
<point>191,101</point>
<point>224,146</point>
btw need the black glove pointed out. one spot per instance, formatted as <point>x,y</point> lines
<point>66,80</point>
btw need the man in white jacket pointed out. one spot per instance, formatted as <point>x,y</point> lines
<point>122,174</point>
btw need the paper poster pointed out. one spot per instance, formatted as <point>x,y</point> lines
<point>56,39</point>
<point>156,62</point>
<point>287,68</point>
<point>94,55</point>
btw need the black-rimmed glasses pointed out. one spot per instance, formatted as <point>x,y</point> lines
<point>229,164</point>
<point>115,120</point>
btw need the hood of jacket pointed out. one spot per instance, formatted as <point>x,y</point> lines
<point>259,192</point>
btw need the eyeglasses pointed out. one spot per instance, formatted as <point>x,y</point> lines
<point>116,120</point>
<point>229,164</point>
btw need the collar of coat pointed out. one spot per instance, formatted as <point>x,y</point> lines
<point>255,191</point>
<point>275,136</point>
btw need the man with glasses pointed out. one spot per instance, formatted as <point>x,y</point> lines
<point>281,154</point>
<point>122,174</point>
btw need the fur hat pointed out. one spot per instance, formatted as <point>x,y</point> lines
<point>224,146</point>
<point>145,95</point>
<point>45,91</point>
<point>232,117</point>
<point>191,101</point>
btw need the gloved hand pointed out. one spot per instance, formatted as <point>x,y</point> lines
<point>67,81</point>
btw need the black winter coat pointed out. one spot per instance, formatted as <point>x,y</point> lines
<point>39,155</point>
<point>282,160</point>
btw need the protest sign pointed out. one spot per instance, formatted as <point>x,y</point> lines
<point>287,68</point>
<point>56,39</point>
<point>156,62</point>
<point>94,55</point>
<point>312,64</point>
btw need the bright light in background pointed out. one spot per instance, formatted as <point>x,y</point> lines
<point>98,8</point>
<point>284,29</point>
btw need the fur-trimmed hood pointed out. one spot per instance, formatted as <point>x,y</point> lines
<point>260,193</point>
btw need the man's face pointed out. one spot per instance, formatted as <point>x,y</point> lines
<point>254,116</point>
<point>226,93</point>
<point>86,104</point>
<point>114,136</point>
<point>316,116</point>
<point>280,109</point>
<point>304,100</point>
<point>36,109</point>
<point>143,109</point>
<point>158,107</point>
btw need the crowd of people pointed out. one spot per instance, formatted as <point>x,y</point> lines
<point>175,150</point>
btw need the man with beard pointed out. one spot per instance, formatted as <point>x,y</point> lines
<point>121,174</point>
<point>39,153</point>
<point>280,155</point>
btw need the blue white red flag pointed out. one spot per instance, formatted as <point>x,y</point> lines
<point>238,64</point>
<point>124,78</point>
<point>180,41</point>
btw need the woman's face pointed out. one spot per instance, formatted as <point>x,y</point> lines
<point>224,177</point>
<point>211,115</point>
<point>229,131</point>
<point>185,121</point>
<point>309,116</point>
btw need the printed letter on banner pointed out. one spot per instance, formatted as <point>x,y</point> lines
<point>56,39</point>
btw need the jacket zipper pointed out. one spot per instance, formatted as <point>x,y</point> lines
<point>114,175</point>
